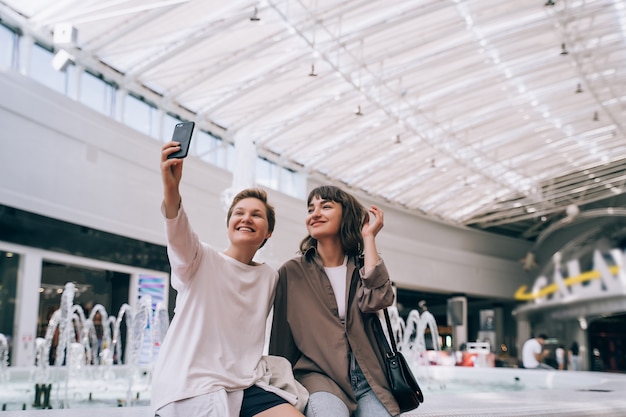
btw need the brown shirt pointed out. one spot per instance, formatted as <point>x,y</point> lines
<point>308,332</point>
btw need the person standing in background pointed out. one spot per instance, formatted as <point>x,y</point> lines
<point>533,353</point>
<point>560,357</point>
<point>574,358</point>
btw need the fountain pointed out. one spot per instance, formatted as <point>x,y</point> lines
<point>90,370</point>
<point>438,374</point>
<point>410,336</point>
<point>4,361</point>
<point>84,361</point>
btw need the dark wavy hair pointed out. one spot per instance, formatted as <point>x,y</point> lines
<point>353,217</point>
<point>261,195</point>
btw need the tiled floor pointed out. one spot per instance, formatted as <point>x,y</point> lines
<point>491,393</point>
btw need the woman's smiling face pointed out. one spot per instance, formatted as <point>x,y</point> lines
<point>248,223</point>
<point>323,218</point>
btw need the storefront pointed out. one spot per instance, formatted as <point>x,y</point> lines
<point>583,301</point>
<point>39,255</point>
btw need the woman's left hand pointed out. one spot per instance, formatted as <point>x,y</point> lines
<point>375,224</point>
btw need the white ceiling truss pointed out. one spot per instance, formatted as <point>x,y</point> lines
<point>481,113</point>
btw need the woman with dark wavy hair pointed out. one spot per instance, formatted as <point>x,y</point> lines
<point>326,301</point>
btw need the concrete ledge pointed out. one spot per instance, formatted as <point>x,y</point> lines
<point>82,412</point>
<point>467,393</point>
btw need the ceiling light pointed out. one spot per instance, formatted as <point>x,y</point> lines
<point>358,111</point>
<point>571,211</point>
<point>255,16</point>
<point>64,34</point>
<point>563,50</point>
<point>312,73</point>
<point>61,60</point>
<point>579,89</point>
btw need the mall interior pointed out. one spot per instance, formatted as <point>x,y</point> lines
<point>80,195</point>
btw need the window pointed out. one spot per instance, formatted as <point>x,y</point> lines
<point>8,39</point>
<point>9,268</point>
<point>266,173</point>
<point>41,69</point>
<point>102,96</point>
<point>96,93</point>
<point>292,183</point>
<point>229,157</point>
<point>224,155</point>
<point>169,121</point>
<point>207,146</point>
<point>138,114</point>
<point>93,287</point>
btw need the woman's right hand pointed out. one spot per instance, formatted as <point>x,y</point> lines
<point>171,169</point>
<point>171,174</point>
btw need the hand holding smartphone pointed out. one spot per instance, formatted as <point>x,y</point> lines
<point>182,134</point>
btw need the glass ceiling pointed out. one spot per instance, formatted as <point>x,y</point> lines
<point>481,113</point>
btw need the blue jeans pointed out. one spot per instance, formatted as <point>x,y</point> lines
<point>325,404</point>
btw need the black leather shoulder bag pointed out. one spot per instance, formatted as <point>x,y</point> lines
<point>402,383</point>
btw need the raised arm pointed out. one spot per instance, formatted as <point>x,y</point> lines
<point>369,232</point>
<point>171,174</point>
<point>376,291</point>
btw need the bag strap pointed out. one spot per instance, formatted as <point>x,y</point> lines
<point>392,338</point>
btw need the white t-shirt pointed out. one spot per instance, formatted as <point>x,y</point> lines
<point>560,356</point>
<point>531,346</point>
<point>337,277</point>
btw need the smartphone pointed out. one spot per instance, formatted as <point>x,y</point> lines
<point>182,134</point>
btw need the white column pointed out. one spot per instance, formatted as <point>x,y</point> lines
<point>160,133</point>
<point>523,334</point>
<point>245,168</point>
<point>581,336</point>
<point>457,320</point>
<point>25,50</point>
<point>120,97</point>
<point>26,309</point>
<point>133,290</point>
